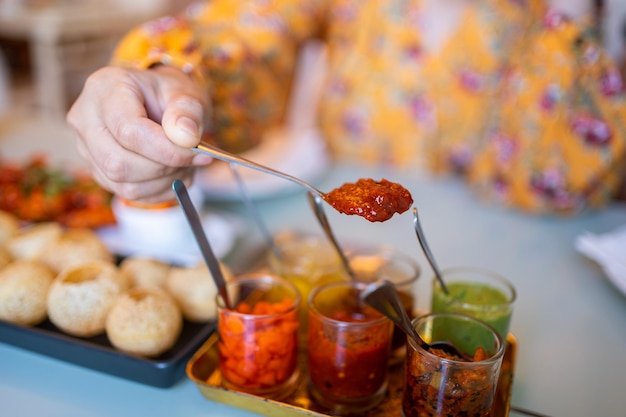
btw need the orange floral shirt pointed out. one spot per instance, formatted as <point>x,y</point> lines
<point>521,101</point>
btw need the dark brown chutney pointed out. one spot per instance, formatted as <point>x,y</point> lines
<point>434,390</point>
<point>377,201</point>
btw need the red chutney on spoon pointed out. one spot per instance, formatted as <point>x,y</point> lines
<point>377,201</point>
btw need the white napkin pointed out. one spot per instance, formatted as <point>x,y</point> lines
<point>608,250</point>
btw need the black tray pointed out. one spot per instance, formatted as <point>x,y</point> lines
<point>98,354</point>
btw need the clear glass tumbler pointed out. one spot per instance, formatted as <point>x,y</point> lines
<point>477,292</point>
<point>348,349</point>
<point>307,261</point>
<point>438,384</point>
<point>487,296</point>
<point>258,344</point>
<point>386,263</point>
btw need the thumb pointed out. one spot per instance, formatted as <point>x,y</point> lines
<point>182,121</point>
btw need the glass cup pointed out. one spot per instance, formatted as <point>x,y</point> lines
<point>385,263</point>
<point>487,296</point>
<point>258,344</point>
<point>307,261</point>
<point>436,384</point>
<point>348,349</point>
<point>476,292</point>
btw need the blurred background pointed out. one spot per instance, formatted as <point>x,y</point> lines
<point>49,47</point>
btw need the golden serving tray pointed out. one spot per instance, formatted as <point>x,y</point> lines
<point>203,369</point>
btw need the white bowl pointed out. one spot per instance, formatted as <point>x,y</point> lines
<point>159,228</point>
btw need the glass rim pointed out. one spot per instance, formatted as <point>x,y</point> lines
<point>266,278</point>
<point>511,297</point>
<point>382,250</point>
<point>360,286</point>
<point>430,316</point>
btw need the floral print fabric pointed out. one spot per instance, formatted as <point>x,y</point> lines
<point>518,99</point>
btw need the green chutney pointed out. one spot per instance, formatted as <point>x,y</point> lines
<point>478,300</point>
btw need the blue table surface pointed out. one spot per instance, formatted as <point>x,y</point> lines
<point>570,321</point>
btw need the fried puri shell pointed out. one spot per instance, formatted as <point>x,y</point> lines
<point>195,292</point>
<point>81,297</point>
<point>24,289</point>
<point>144,321</point>
<point>145,272</point>
<point>29,241</point>
<point>74,247</point>
<point>9,226</point>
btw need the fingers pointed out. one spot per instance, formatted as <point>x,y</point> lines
<point>116,168</point>
<point>181,122</point>
<point>136,123</point>
<point>116,119</point>
<point>184,111</point>
<point>142,188</point>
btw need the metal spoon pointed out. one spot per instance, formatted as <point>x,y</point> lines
<point>318,208</point>
<point>383,297</point>
<point>381,214</point>
<point>218,153</point>
<point>198,231</point>
<point>429,256</point>
<point>256,216</point>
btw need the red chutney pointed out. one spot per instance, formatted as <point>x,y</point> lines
<point>377,201</point>
<point>258,344</point>
<point>349,364</point>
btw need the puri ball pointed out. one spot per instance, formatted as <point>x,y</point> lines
<point>9,226</point>
<point>144,321</point>
<point>29,241</point>
<point>80,297</point>
<point>5,257</point>
<point>24,288</point>
<point>145,272</point>
<point>195,291</point>
<point>74,247</point>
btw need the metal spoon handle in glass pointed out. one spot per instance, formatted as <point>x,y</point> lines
<point>252,210</point>
<point>215,152</point>
<point>318,208</point>
<point>198,231</point>
<point>429,256</point>
<point>383,297</point>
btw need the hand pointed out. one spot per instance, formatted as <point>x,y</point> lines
<point>135,128</point>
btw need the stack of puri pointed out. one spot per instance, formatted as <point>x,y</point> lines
<point>69,277</point>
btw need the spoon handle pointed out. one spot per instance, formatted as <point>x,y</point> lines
<point>215,152</point>
<point>383,297</point>
<point>429,256</point>
<point>198,231</point>
<point>318,208</point>
<point>252,210</point>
